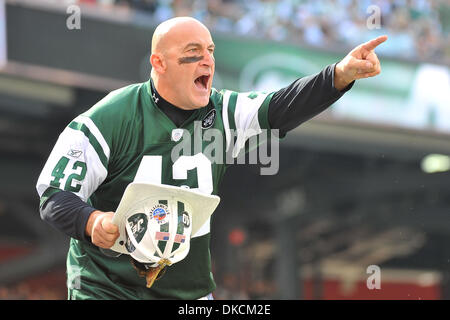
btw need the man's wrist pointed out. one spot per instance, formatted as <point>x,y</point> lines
<point>340,80</point>
<point>90,222</point>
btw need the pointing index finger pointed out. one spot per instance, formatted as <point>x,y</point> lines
<point>372,44</point>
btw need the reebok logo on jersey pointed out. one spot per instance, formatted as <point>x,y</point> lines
<point>74,153</point>
<point>209,119</point>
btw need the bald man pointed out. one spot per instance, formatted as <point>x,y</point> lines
<point>133,129</point>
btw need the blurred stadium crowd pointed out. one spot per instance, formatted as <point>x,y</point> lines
<point>418,29</point>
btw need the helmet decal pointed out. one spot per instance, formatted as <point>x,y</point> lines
<point>186,220</point>
<point>160,213</point>
<point>156,224</point>
<point>138,223</point>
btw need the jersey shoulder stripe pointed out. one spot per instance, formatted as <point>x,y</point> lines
<point>249,108</point>
<point>79,160</point>
<point>244,115</point>
<point>228,118</point>
<point>101,148</point>
<point>112,119</point>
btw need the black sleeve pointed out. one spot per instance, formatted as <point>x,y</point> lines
<point>67,213</point>
<point>303,99</point>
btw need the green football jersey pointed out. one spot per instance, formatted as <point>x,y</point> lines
<point>125,137</point>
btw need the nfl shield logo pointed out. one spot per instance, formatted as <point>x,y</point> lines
<point>177,134</point>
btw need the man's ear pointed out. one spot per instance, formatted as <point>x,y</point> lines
<point>158,63</point>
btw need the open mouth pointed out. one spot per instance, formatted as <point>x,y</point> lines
<point>202,82</point>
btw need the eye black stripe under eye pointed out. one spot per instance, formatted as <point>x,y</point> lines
<point>189,59</point>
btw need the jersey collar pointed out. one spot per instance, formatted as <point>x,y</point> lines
<point>155,100</point>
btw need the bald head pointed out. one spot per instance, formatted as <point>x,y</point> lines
<point>169,32</point>
<point>182,60</point>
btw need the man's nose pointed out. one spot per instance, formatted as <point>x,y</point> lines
<point>208,59</point>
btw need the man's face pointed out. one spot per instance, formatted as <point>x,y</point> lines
<point>190,66</point>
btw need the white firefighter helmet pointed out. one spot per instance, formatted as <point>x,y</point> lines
<point>156,221</point>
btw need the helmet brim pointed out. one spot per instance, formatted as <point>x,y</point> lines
<point>203,206</point>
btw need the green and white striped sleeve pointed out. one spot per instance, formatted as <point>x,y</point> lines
<point>244,115</point>
<point>78,162</point>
